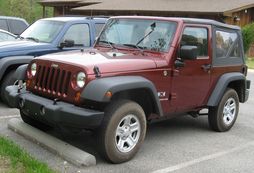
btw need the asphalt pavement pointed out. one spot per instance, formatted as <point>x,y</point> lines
<point>183,145</point>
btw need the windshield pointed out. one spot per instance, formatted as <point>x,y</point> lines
<point>139,33</point>
<point>43,31</point>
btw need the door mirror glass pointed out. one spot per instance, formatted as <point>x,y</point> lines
<point>188,52</point>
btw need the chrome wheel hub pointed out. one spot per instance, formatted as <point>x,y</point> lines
<point>127,133</point>
<point>229,111</point>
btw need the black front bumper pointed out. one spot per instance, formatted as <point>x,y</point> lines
<point>60,113</point>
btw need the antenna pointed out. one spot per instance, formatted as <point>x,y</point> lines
<point>91,15</point>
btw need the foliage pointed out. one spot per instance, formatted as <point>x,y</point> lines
<point>250,63</point>
<point>28,9</point>
<point>20,160</point>
<point>248,36</point>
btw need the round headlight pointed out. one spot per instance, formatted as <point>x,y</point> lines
<point>81,77</point>
<point>33,69</point>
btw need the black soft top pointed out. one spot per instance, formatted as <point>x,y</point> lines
<point>210,22</point>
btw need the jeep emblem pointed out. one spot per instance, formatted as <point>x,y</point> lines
<point>54,65</point>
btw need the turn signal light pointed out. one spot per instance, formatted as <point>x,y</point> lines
<point>28,82</point>
<point>77,96</point>
<point>109,94</point>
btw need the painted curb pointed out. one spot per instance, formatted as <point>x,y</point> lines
<point>68,152</point>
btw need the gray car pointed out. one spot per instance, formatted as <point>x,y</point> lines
<point>14,25</point>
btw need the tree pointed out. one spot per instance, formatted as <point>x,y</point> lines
<point>248,36</point>
<point>19,8</point>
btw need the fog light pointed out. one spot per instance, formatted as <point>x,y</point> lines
<point>21,103</point>
<point>42,110</point>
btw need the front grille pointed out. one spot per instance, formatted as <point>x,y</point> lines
<point>52,80</point>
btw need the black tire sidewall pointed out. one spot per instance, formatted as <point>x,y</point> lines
<point>7,81</point>
<point>115,114</point>
<point>218,112</point>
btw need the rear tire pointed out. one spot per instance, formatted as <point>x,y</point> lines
<point>7,81</point>
<point>122,131</point>
<point>33,122</point>
<point>222,117</point>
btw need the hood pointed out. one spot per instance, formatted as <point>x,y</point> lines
<point>107,62</point>
<point>19,45</point>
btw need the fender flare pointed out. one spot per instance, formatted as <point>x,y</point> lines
<point>20,73</point>
<point>96,89</point>
<point>6,62</point>
<point>222,85</point>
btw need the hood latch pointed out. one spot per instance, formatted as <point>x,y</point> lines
<point>96,71</point>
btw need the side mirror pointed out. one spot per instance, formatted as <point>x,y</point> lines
<point>66,43</point>
<point>188,52</point>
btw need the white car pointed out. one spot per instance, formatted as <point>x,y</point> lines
<point>6,36</point>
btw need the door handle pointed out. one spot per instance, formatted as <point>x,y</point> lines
<point>206,67</point>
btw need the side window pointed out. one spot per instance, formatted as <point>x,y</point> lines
<point>17,26</point>
<point>226,44</point>
<point>79,33</point>
<point>196,36</point>
<point>3,24</point>
<point>98,28</point>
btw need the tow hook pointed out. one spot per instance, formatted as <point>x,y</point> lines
<point>55,101</point>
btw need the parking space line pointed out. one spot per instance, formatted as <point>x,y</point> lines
<point>202,159</point>
<point>9,116</point>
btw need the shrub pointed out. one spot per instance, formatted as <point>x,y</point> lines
<point>248,36</point>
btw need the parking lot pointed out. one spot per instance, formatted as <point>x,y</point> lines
<point>182,144</point>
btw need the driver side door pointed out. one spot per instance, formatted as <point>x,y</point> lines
<point>190,84</point>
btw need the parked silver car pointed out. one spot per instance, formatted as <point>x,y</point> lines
<point>14,25</point>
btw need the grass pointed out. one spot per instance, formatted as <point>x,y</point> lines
<point>250,63</point>
<point>14,159</point>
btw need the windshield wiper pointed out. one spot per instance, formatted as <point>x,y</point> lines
<point>19,37</point>
<point>32,38</point>
<point>153,26</point>
<point>141,49</point>
<point>108,43</point>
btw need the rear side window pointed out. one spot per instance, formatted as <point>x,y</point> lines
<point>228,48</point>
<point>98,28</point>
<point>80,34</point>
<point>196,36</point>
<point>3,24</point>
<point>17,26</point>
<point>226,42</point>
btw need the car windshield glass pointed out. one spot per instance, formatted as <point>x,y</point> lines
<point>142,34</point>
<point>43,31</point>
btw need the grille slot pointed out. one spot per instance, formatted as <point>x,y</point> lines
<point>53,81</point>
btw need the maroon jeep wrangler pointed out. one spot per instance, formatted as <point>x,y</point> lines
<point>140,69</point>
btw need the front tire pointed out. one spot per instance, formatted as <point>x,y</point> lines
<point>122,131</point>
<point>222,117</point>
<point>7,81</point>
